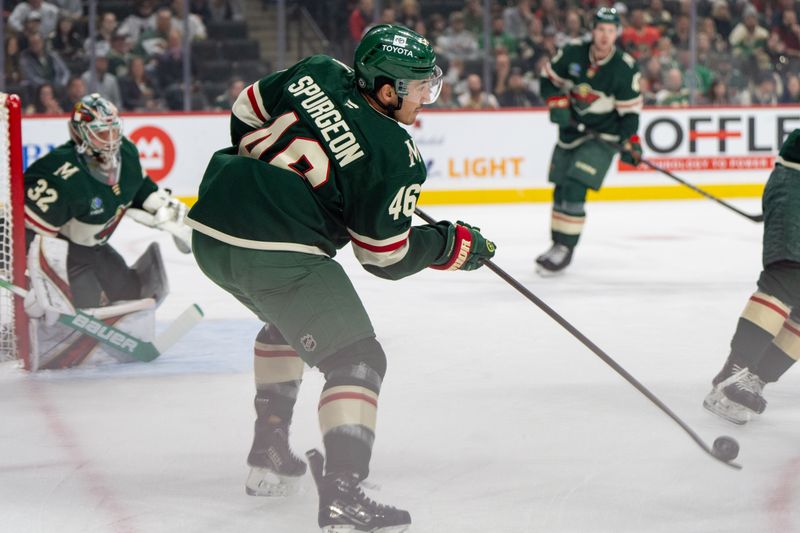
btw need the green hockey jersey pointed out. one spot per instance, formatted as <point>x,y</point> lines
<point>313,167</point>
<point>604,96</point>
<point>62,197</point>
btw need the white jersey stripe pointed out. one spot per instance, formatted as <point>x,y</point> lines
<point>380,259</point>
<point>380,242</point>
<point>251,244</point>
<point>243,108</point>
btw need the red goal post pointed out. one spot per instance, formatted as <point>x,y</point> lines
<point>14,339</point>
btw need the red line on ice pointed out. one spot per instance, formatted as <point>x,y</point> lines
<point>780,502</point>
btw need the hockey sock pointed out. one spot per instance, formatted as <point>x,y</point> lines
<point>348,405</point>
<point>568,217</point>
<point>278,373</point>
<point>781,353</point>
<point>761,320</point>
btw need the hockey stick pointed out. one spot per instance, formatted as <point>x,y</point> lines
<point>594,348</point>
<point>118,339</point>
<point>619,147</point>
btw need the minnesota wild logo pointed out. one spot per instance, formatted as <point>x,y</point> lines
<point>583,96</point>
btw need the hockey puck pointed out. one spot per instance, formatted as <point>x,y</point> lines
<point>725,449</point>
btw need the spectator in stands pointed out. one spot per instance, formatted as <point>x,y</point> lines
<point>763,93</point>
<point>639,39</point>
<point>169,65</point>
<point>72,9</point>
<point>652,72</point>
<point>44,102</point>
<point>138,90</point>
<point>573,32</point>
<point>360,18</point>
<point>517,18</point>
<point>120,55</point>
<point>106,24</point>
<point>475,97</point>
<point>473,16</point>
<point>39,66</point>
<point>721,15</point>
<point>221,10</point>
<point>409,15</point>
<point>717,94</point>
<point>153,41</point>
<point>48,12</point>
<point>76,90</point>
<point>226,100</point>
<point>502,69</point>
<point>681,32</point>
<point>67,41</point>
<point>388,15</point>
<point>658,17</point>
<point>788,31</point>
<point>530,49</point>
<point>437,25</point>
<point>748,41</point>
<point>105,83</point>
<point>456,75</point>
<point>457,41</point>
<point>139,21</point>
<point>33,24</point>
<point>549,46</point>
<point>500,40</point>
<point>674,94</point>
<point>791,90</point>
<point>11,65</point>
<point>517,94</point>
<point>549,14</point>
<point>197,30</point>
<point>446,100</point>
<point>201,9</point>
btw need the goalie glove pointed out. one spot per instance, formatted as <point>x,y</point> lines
<point>466,249</point>
<point>165,212</point>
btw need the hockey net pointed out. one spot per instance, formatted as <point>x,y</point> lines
<point>13,322</point>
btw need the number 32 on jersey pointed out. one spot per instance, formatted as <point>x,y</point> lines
<point>405,201</point>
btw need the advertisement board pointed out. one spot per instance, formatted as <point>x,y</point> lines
<point>494,156</point>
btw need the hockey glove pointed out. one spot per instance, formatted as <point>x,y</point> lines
<point>165,212</point>
<point>632,154</point>
<point>559,110</point>
<point>466,248</point>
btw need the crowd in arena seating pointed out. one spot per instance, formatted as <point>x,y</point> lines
<point>137,51</point>
<point>747,51</point>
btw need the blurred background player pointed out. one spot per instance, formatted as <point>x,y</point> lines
<point>76,195</point>
<point>596,86</point>
<point>319,160</point>
<point>767,338</point>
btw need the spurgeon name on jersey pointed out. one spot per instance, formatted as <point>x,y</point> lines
<point>313,166</point>
<point>63,198</point>
<point>604,95</point>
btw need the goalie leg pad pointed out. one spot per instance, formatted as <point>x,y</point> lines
<point>152,275</point>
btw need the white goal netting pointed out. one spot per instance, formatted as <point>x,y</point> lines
<point>8,340</point>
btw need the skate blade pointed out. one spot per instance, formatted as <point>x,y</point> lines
<point>723,409</point>
<point>545,273</point>
<point>265,483</point>
<point>352,529</point>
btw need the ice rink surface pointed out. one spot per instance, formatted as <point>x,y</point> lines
<point>492,418</point>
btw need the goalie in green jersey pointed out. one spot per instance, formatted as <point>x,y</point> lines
<point>320,160</point>
<point>591,90</point>
<point>75,196</point>
<point>766,342</point>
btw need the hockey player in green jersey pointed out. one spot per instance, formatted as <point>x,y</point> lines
<point>767,338</point>
<point>319,160</point>
<point>590,89</point>
<point>77,194</point>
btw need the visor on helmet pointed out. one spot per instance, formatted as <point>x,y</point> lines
<point>424,91</point>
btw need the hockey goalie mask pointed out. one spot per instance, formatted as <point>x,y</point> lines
<point>96,129</point>
<point>401,55</point>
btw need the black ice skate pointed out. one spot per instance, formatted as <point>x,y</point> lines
<point>745,389</point>
<point>554,260</point>
<point>343,507</point>
<point>275,470</point>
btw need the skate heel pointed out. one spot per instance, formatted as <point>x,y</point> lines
<point>263,482</point>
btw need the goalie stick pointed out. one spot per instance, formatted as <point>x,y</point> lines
<point>595,349</point>
<point>619,147</point>
<point>94,327</point>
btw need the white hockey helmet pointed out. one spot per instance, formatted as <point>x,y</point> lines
<point>96,129</point>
